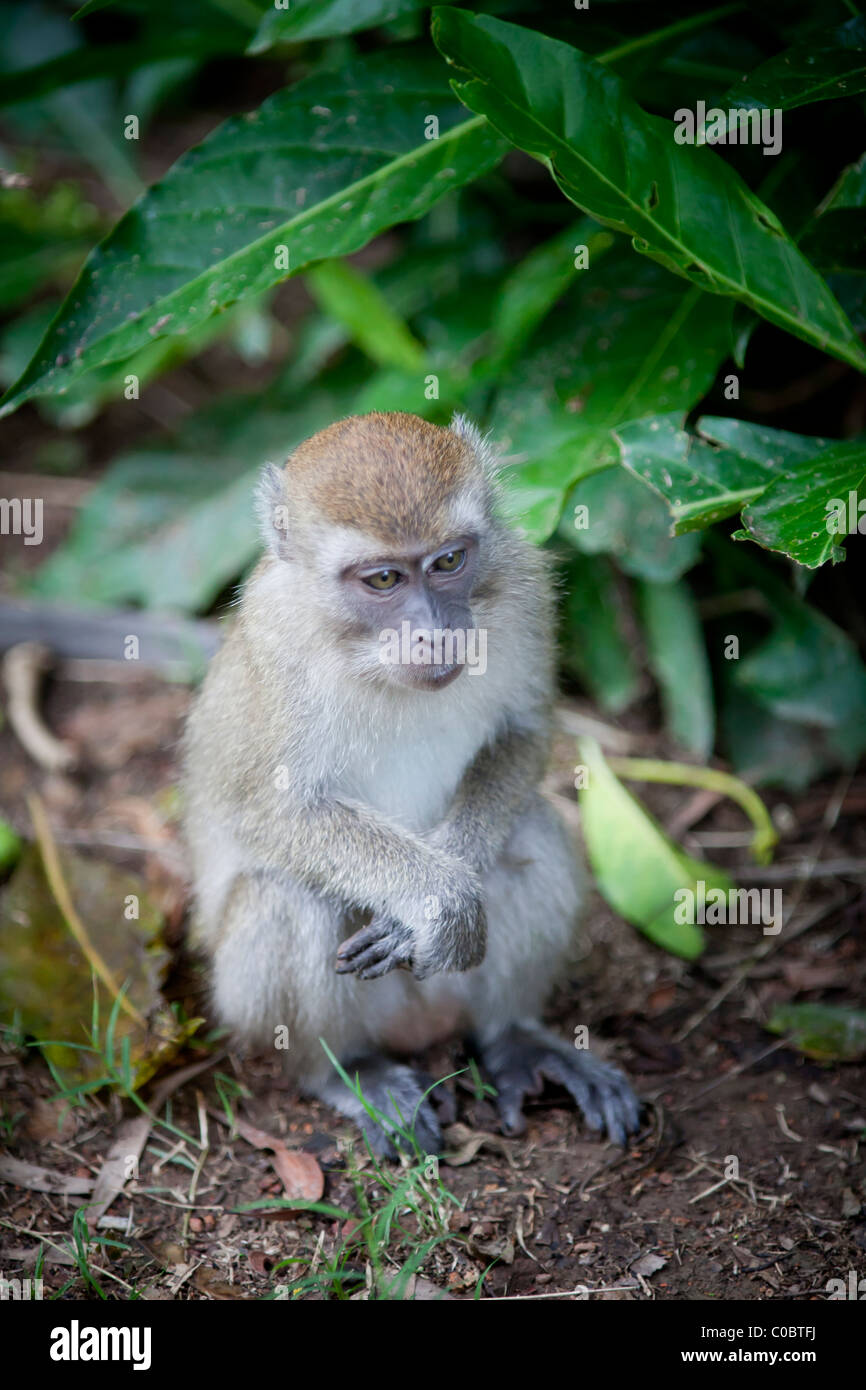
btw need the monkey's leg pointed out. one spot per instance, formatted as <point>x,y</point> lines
<point>274,984</point>
<point>532,897</point>
<point>396,1092</point>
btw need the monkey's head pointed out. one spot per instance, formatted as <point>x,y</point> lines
<point>382,528</point>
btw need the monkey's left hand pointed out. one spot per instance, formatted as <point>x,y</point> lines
<point>385,944</point>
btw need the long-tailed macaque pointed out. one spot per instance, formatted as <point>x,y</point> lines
<point>373,862</point>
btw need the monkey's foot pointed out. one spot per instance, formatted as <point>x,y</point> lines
<point>397,1093</point>
<point>384,945</point>
<point>524,1055</point>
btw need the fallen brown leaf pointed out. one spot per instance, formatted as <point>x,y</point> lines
<point>211,1282</point>
<point>51,1120</point>
<point>465,1143</point>
<point>39,1179</point>
<point>299,1172</point>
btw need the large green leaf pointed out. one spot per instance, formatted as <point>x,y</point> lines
<point>798,495</point>
<point>850,188</point>
<point>835,241</point>
<point>683,204</point>
<point>811,500</point>
<point>766,750</point>
<point>809,513</point>
<point>820,67</point>
<point>638,869</point>
<point>778,450</point>
<point>700,484</point>
<point>319,169</point>
<point>808,669</point>
<point>454,319</point>
<point>163,528</point>
<point>627,340</point>
<point>85,397</point>
<point>541,278</point>
<point>323,19</point>
<point>710,475</point>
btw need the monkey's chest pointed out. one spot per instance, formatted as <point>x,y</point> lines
<point>412,777</point>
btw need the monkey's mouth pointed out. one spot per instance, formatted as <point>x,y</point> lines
<point>430,677</point>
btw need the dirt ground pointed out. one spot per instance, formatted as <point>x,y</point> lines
<point>543,1214</point>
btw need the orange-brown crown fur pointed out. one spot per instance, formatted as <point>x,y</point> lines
<point>391,474</point>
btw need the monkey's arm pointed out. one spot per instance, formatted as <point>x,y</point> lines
<point>491,793</point>
<point>429,897</point>
<point>493,790</point>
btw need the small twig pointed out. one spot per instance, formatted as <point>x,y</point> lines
<point>580,1291</point>
<point>23,668</point>
<point>734,1072</point>
<point>708,1191</point>
<point>204,1143</point>
<point>785,1127</point>
<point>799,869</point>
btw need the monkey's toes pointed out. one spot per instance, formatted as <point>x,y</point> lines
<point>397,1093</point>
<point>522,1059</point>
<point>386,1143</point>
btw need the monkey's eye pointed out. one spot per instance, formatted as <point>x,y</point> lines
<point>450,561</point>
<point>382,579</point>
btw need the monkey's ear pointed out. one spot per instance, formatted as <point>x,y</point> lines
<point>272,508</point>
<point>478,443</point>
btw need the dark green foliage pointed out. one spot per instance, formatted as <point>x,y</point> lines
<point>616,326</point>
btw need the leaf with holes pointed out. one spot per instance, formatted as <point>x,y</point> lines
<point>682,204</point>
<point>821,67</point>
<point>625,341</point>
<point>807,515</point>
<point>702,481</point>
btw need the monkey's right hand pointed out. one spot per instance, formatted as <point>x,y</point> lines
<point>384,944</point>
<point>453,937</point>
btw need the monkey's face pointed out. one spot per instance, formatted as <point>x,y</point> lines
<point>407,615</point>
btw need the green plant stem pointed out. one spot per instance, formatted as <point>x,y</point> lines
<point>711,779</point>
